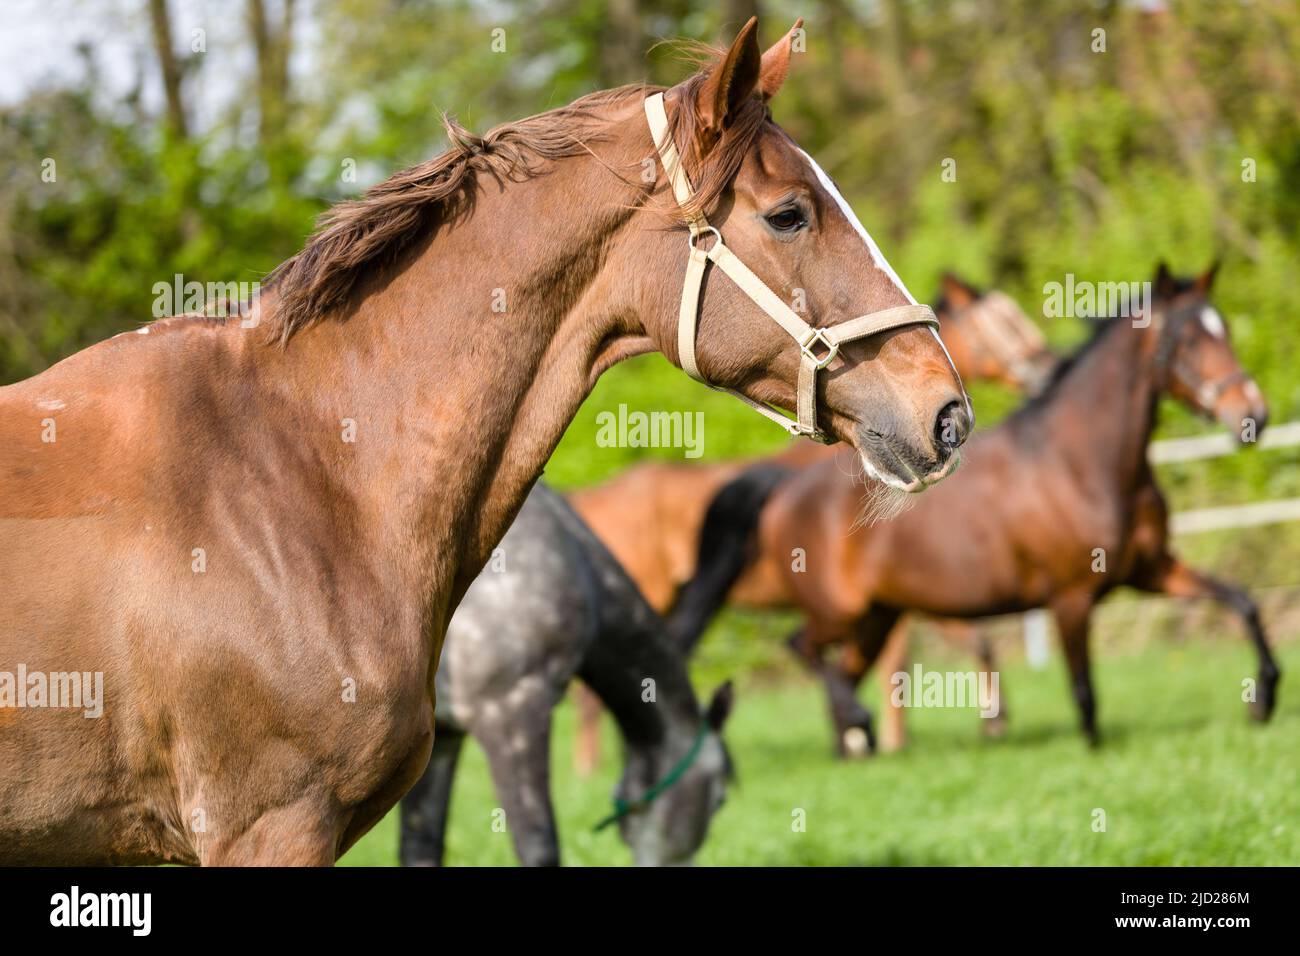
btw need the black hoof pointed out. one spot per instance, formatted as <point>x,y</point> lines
<point>1261,708</point>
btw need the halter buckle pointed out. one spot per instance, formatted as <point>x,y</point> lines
<point>696,232</point>
<point>816,337</point>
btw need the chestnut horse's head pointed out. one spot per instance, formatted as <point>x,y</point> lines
<point>991,339</point>
<point>894,395</point>
<point>1202,370</point>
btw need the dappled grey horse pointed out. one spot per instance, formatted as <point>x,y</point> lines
<point>553,603</point>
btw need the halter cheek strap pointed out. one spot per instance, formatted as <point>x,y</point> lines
<point>1166,359</point>
<point>818,347</point>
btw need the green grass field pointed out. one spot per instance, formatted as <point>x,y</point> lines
<point>1184,778</point>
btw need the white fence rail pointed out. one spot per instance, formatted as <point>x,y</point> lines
<point>1236,516</point>
<point>1250,515</point>
<point>1216,446</point>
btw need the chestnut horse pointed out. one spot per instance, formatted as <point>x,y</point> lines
<point>1056,507</point>
<point>649,516</point>
<point>257,536</point>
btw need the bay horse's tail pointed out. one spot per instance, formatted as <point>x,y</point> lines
<point>727,546</point>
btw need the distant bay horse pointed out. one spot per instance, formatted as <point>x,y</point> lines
<point>1056,507</point>
<point>258,535</point>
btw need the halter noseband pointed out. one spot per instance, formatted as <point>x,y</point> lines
<point>808,338</point>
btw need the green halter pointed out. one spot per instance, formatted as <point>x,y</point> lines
<point>623,807</point>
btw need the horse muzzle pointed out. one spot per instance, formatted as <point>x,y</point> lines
<point>1242,410</point>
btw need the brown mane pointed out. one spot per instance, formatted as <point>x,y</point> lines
<point>358,235</point>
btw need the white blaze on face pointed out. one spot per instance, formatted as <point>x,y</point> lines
<point>852,217</point>
<point>881,263</point>
<point>1213,322</point>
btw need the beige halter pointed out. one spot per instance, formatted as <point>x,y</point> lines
<point>808,338</point>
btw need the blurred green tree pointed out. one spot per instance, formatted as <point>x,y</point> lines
<point>1011,140</point>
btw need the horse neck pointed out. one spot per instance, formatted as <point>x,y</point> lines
<point>463,366</point>
<point>1112,397</point>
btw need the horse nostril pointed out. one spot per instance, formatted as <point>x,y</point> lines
<point>952,427</point>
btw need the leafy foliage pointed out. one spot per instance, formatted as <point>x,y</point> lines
<point>1068,159</point>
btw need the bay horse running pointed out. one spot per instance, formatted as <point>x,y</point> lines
<point>554,604</point>
<point>256,531</point>
<point>1056,507</point>
<point>650,515</point>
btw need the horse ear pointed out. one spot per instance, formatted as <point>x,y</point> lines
<point>776,63</point>
<point>1205,281</point>
<point>720,707</point>
<point>958,293</point>
<point>731,81</point>
<point>1166,284</point>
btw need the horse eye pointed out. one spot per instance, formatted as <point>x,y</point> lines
<point>787,220</point>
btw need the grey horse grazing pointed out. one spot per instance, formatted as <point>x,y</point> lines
<point>554,603</point>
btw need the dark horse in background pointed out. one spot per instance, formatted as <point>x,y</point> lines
<point>1055,508</point>
<point>553,603</point>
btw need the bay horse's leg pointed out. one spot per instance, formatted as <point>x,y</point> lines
<point>870,634</point>
<point>518,748</point>
<point>425,807</point>
<point>893,660</point>
<point>1177,579</point>
<point>854,732</point>
<point>977,640</point>
<point>586,747</point>
<point>1073,612</point>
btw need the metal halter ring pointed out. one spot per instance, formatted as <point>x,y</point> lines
<point>814,338</point>
<point>696,233</point>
